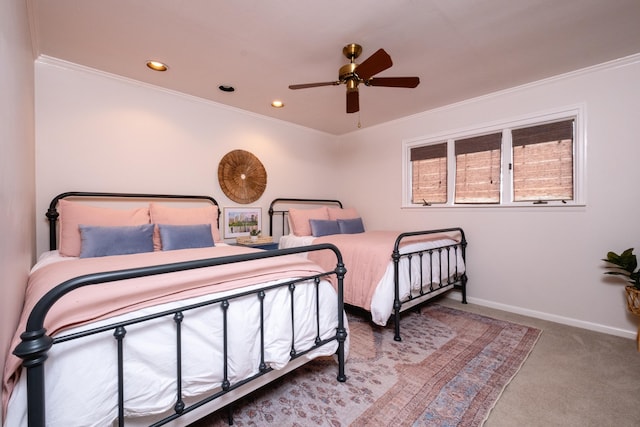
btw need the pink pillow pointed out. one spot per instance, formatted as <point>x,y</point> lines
<point>299,219</point>
<point>183,216</point>
<point>339,213</point>
<point>72,214</point>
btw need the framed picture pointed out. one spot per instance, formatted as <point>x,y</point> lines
<point>240,221</point>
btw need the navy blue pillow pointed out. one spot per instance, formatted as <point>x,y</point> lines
<point>100,241</point>
<point>351,226</point>
<point>323,227</point>
<point>185,236</point>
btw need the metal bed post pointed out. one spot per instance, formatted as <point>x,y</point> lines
<point>395,256</point>
<point>464,278</point>
<point>33,350</point>
<point>341,333</point>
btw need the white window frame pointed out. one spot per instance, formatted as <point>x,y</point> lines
<point>576,112</point>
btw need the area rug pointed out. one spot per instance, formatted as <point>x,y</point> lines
<point>449,370</point>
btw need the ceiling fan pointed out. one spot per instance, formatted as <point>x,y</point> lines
<point>353,74</point>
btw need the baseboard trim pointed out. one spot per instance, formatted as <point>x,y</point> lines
<point>547,316</point>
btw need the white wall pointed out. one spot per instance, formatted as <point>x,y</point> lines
<point>538,261</point>
<point>17,188</point>
<point>96,132</point>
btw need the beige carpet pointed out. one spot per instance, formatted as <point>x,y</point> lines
<point>450,369</point>
<point>574,377</point>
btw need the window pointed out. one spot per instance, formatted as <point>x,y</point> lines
<point>533,161</point>
<point>543,162</point>
<point>478,169</point>
<point>429,174</point>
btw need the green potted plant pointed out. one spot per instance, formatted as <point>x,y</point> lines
<point>626,265</point>
<point>255,233</point>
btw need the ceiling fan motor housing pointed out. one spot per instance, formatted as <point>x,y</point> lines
<point>347,72</point>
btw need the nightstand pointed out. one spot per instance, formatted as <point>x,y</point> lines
<point>262,242</point>
<point>266,246</point>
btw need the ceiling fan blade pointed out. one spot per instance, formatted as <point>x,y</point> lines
<point>307,85</point>
<point>374,64</point>
<point>353,101</point>
<point>410,82</point>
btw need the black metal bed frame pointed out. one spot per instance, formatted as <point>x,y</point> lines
<point>36,343</point>
<point>52,212</point>
<point>458,281</point>
<point>439,256</point>
<point>285,212</point>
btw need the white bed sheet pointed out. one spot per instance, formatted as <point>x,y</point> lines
<point>382,300</point>
<point>150,380</point>
<point>293,241</point>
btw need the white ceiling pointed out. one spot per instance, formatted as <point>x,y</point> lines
<point>459,48</point>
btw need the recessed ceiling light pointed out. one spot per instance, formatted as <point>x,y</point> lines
<point>277,104</point>
<point>226,88</point>
<point>157,66</point>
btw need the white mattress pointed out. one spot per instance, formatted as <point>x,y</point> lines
<point>74,382</point>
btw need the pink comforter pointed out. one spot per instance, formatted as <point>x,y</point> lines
<point>96,302</point>
<point>366,255</point>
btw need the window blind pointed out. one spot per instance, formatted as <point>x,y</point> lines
<point>557,131</point>
<point>479,144</point>
<point>427,152</point>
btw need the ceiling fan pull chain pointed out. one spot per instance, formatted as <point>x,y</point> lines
<point>359,125</point>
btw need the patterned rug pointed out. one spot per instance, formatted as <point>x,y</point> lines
<point>449,370</point>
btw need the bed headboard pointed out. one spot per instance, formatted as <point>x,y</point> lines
<point>286,203</point>
<point>52,213</point>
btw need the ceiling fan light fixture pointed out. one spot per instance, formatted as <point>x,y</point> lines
<point>157,65</point>
<point>353,74</point>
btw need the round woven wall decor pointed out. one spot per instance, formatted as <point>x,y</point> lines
<point>242,176</point>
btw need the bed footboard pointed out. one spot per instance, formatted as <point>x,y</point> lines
<point>36,343</point>
<point>448,257</point>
